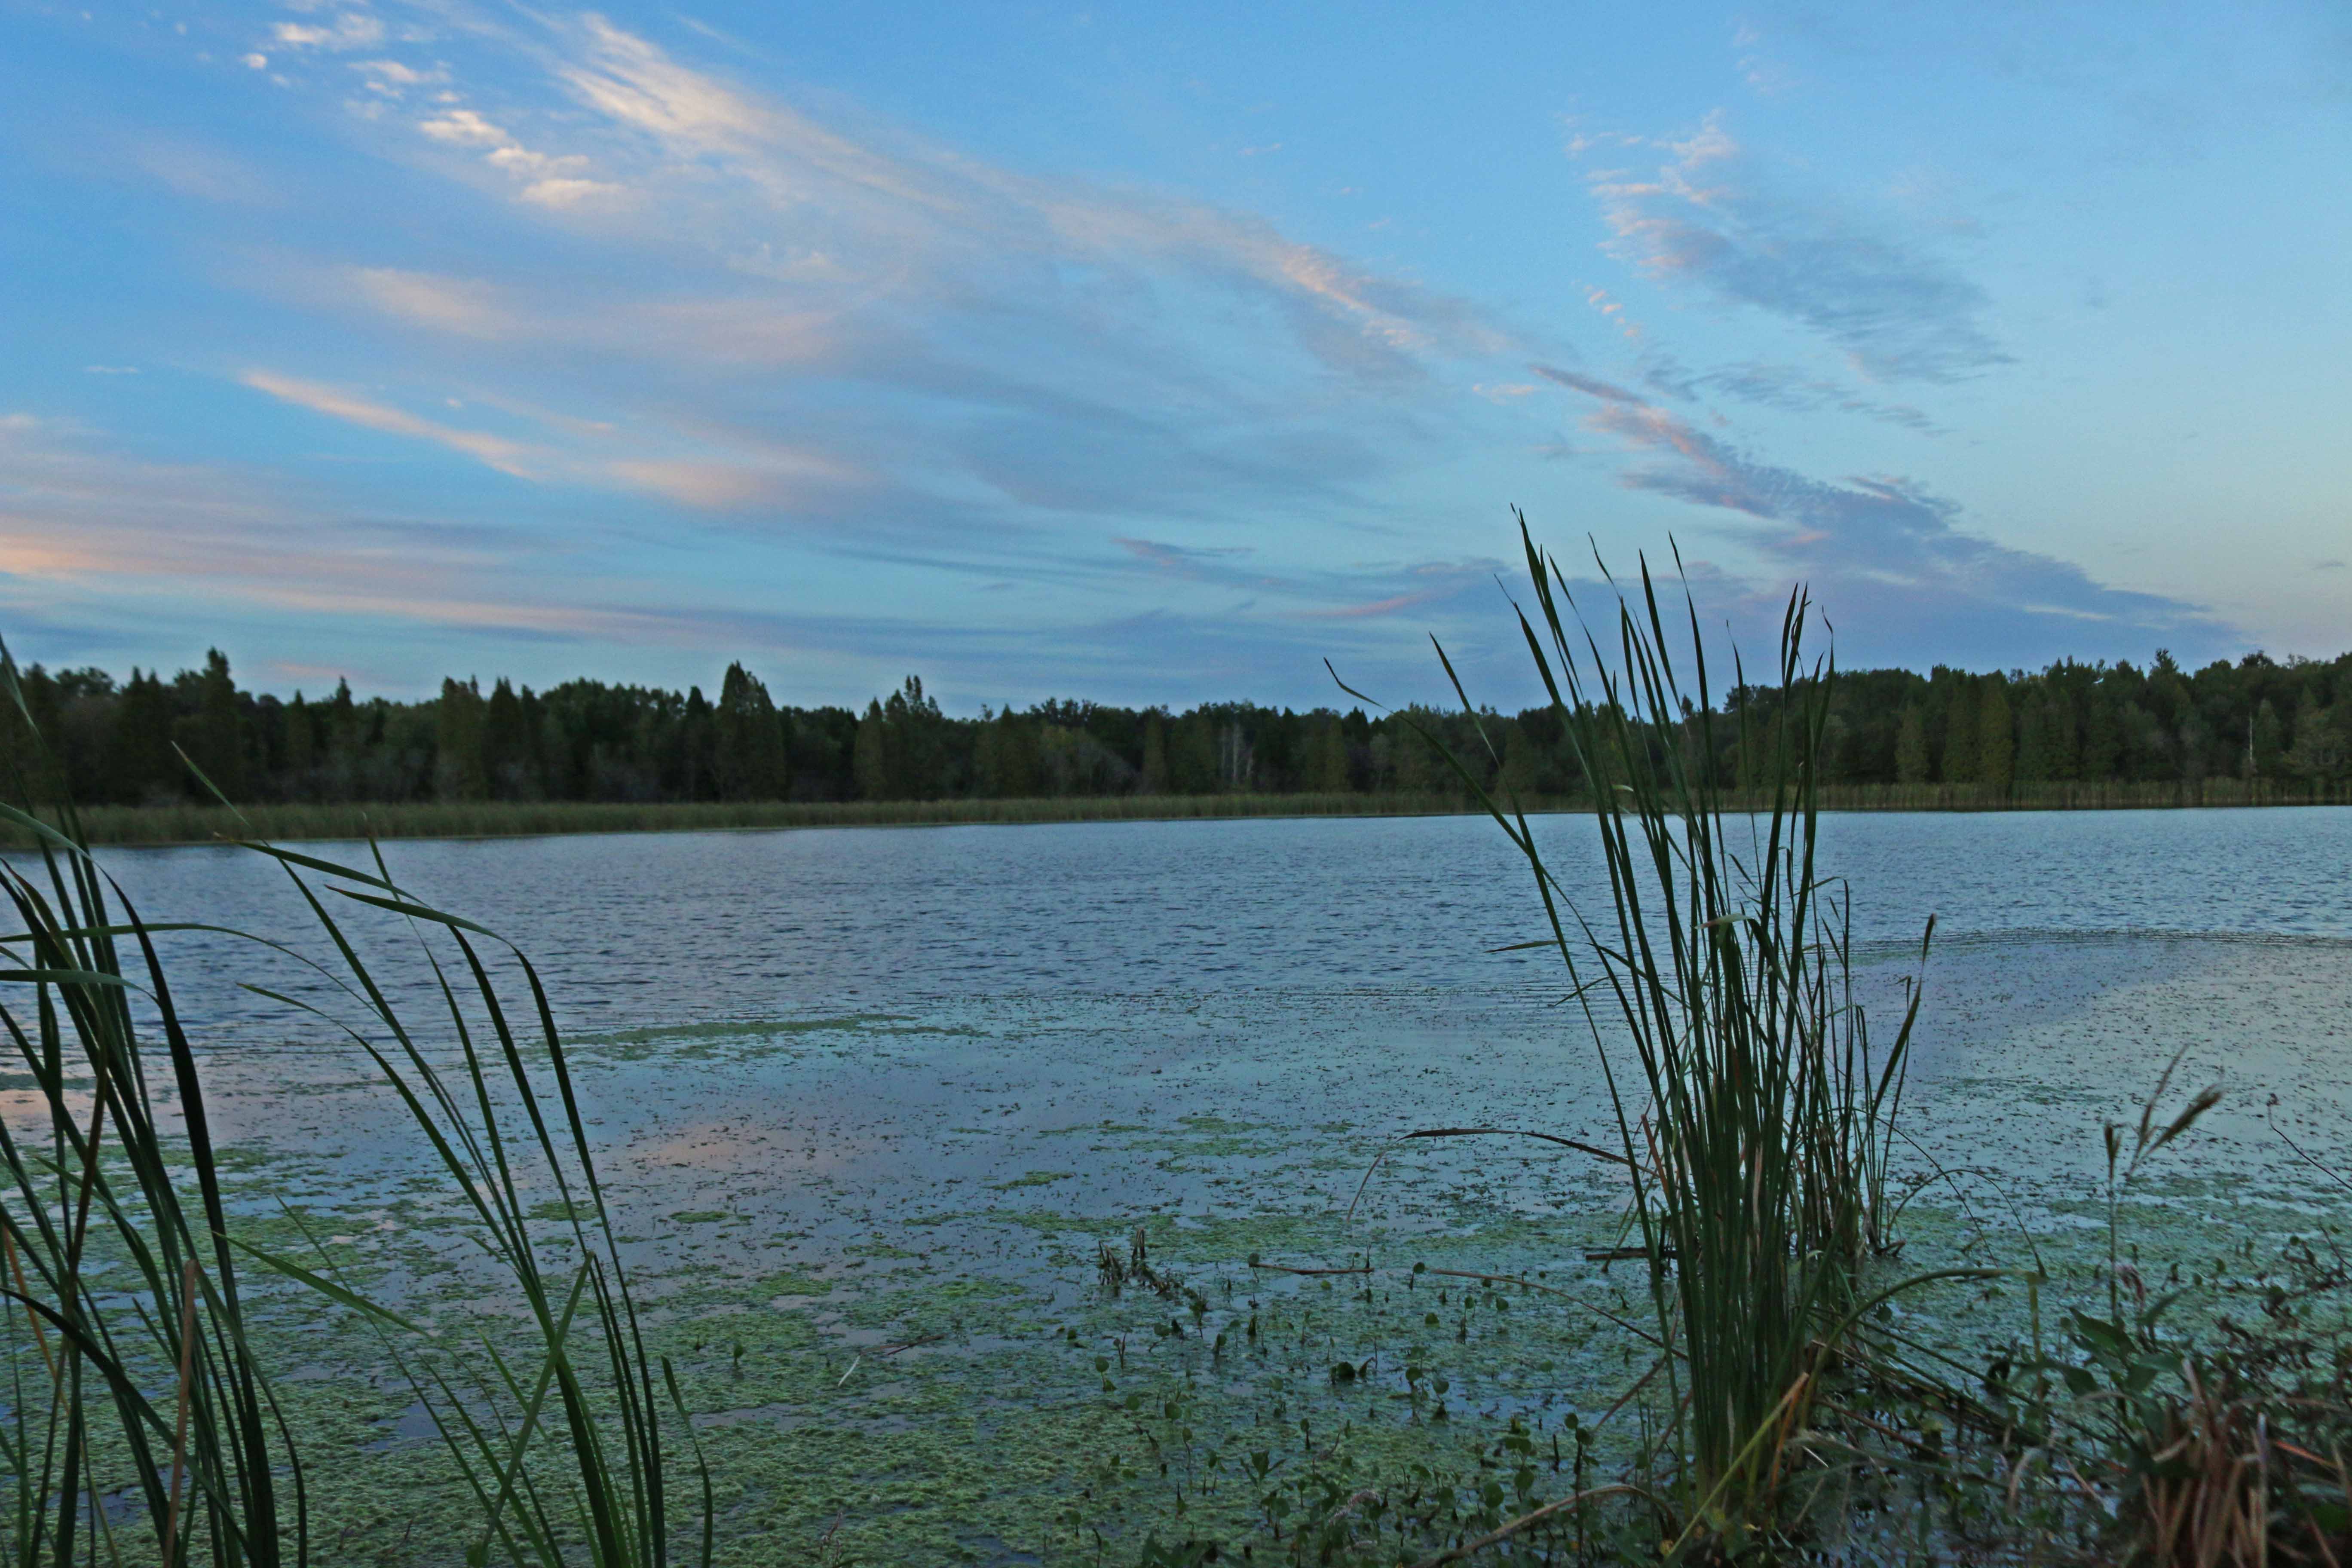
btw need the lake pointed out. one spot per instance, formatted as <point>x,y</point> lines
<point>634,930</point>
<point>870,1100</point>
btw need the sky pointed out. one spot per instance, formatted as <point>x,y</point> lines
<point>1154,354</point>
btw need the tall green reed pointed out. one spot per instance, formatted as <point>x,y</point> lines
<point>563,1449</point>
<point>130,1369</point>
<point>560,1438</point>
<point>1756,1117</point>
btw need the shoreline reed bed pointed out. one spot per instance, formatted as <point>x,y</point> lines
<point>163,826</point>
<point>149,1387</point>
<point>129,1373</point>
<point>1755,1118</point>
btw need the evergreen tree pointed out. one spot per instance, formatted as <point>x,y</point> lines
<point>214,737</point>
<point>1193,756</point>
<point>31,741</point>
<point>870,759</point>
<point>750,742</point>
<point>457,743</point>
<point>2103,734</point>
<point>1996,737</point>
<point>587,741</point>
<point>2033,748</point>
<point>915,749</point>
<point>1154,779</point>
<point>140,764</point>
<point>698,748</point>
<point>506,745</point>
<point>1960,729</point>
<point>301,750</point>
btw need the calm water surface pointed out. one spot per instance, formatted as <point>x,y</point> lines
<point>651,927</point>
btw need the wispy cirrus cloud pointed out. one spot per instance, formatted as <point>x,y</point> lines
<point>1712,218</point>
<point>580,452</point>
<point>1358,592</point>
<point>507,456</point>
<point>1787,388</point>
<point>1882,553</point>
<point>843,222</point>
<point>93,540</point>
<point>773,307</point>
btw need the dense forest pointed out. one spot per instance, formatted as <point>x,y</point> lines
<point>121,742</point>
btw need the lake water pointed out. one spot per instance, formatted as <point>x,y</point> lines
<point>636,930</point>
<point>879,1094</point>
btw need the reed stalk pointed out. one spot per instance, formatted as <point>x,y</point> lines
<point>565,1448</point>
<point>1755,1116</point>
<point>151,1384</point>
<point>119,1272</point>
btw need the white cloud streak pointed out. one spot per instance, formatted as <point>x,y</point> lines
<point>507,456</point>
<point>1709,218</point>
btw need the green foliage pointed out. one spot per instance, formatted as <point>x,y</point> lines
<point>561,1433</point>
<point>1955,739</point>
<point>129,1371</point>
<point>748,740</point>
<point>1911,746</point>
<point>1756,1118</point>
<point>562,1436</point>
<point>1996,738</point>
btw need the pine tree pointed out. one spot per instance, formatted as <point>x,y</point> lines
<point>915,753</point>
<point>1996,737</point>
<point>506,745</point>
<point>869,760</point>
<point>2033,764</point>
<point>140,765</point>
<point>698,748</point>
<point>457,743</point>
<point>214,737</point>
<point>301,747</point>
<point>750,742</point>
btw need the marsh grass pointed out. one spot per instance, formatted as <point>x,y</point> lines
<point>559,1435</point>
<point>1755,1118</point>
<point>140,1426</point>
<point>287,822</point>
<point>561,1440</point>
<point>195,823</point>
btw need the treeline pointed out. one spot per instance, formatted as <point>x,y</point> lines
<point>110,742</point>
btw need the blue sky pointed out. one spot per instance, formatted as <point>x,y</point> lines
<point>1157,353</point>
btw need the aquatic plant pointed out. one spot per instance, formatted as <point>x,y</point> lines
<point>135,1406</point>
<point>1754,1126</point>
<point>595,1469</point>
<point>560,1441</point>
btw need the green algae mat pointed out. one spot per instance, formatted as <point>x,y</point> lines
<point>1045,1279</point>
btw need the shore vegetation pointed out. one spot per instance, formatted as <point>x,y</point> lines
<point>2257,730</point>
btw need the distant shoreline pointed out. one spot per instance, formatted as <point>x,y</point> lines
<point>163,826</point>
